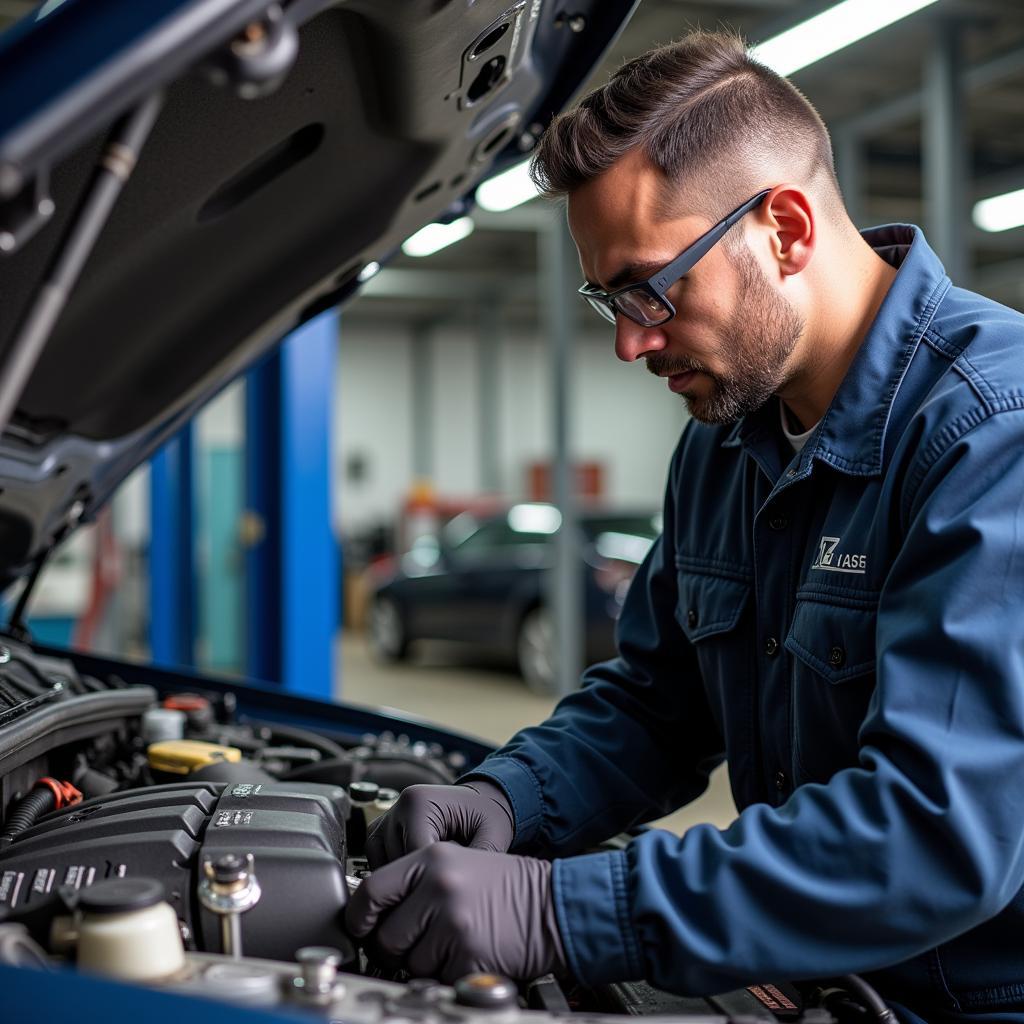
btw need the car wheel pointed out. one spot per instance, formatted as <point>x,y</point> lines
<point>387,634</point>
<point>535,648</point>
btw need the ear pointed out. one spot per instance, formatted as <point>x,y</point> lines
<point>791,221</point>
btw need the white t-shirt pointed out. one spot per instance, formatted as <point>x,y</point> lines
<point>796,440</point>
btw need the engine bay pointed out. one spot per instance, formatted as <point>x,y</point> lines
<point>169,837</point>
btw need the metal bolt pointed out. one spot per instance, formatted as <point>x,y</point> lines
<point>229,888</point>
<point>227,869</point>
<point>319,967</point>
<point>577,23</point>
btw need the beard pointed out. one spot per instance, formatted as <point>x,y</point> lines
<point>758,340</point>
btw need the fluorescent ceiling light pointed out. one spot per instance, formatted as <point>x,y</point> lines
<point>508,189</point>
<point>1000,213</point>
<point>833,29</point>
<point>436,236</point>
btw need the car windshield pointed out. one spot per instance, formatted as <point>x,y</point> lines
<point>640,525</point>
<point>624,536</point>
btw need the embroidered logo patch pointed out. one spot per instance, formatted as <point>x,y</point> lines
<point>831,560</point>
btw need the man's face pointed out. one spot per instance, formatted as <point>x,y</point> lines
<point>727,349</point>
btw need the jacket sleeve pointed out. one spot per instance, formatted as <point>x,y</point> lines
<point>634,743</point>
<point>918,843</point>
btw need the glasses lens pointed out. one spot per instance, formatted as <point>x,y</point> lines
<point>601,307</point>
<point>643,307</point>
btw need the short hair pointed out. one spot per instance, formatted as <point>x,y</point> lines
<point>703,112</point>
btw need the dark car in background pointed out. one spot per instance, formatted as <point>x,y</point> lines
<point>483,580</point>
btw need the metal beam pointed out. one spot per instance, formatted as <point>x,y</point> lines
<point>944,151</point>
<point>488,353</point>
<point>909,106</point>
<point>556,257</point>
<point>421,402</point>
<point>851,171</point>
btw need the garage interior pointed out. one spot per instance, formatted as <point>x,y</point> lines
<point>472,377</point>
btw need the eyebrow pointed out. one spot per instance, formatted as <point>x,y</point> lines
<point>632,272</point>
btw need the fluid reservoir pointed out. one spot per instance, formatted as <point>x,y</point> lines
<point>127,931</point>
<point>180,757</point>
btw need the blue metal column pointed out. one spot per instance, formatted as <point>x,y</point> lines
<point>293,579</point>
<point>172,603</point>
<point>261,526</point>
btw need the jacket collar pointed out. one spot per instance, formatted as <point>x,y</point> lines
<point>851,434</point>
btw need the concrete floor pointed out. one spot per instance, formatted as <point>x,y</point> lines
<point>446,685</point>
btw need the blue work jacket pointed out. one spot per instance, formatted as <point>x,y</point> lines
<point>846,628</point>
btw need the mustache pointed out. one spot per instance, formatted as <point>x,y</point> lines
<point>663,364</point>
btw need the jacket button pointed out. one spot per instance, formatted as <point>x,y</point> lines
<point>778,523</point>
<point>837,657</point>
<point>780,780</point>
<point>771,647</point>
<point>691,618</point>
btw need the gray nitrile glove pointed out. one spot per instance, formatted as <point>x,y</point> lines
<point>446,911</point>
<point>473,813</point>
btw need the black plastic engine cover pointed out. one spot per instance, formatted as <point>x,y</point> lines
<point>295,832</point>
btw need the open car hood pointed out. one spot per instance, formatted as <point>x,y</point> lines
<point>245,216</point>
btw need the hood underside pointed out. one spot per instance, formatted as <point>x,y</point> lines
<point>244,216</point>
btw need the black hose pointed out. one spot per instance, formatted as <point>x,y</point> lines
<point>39,801</point>
<point>302,737</point>
<point>871,999</point>
<point>390,771</point>
<point>335,771</point>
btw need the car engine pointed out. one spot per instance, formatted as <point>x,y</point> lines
<point>156,835</point>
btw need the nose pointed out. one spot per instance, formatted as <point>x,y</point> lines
<point>632,341</point>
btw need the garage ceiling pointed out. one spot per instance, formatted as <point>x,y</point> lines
<point>499,261</point>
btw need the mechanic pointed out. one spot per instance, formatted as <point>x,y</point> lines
<point>834,606</point>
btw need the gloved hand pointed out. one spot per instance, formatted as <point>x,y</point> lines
<point>445,911</point>
<point>473,813</point>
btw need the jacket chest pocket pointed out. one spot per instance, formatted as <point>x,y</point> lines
<point>833,648</point>
<point>710,609</point>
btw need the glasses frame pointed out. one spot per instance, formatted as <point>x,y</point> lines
<point>606,304</point>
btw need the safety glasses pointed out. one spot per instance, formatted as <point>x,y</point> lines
<point>645,302</point>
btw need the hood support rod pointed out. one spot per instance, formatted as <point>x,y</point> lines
<point>113,170</point>
<point>16,627</point>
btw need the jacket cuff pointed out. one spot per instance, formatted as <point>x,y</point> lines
<point>592,907</point>
<point>521,789</point>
